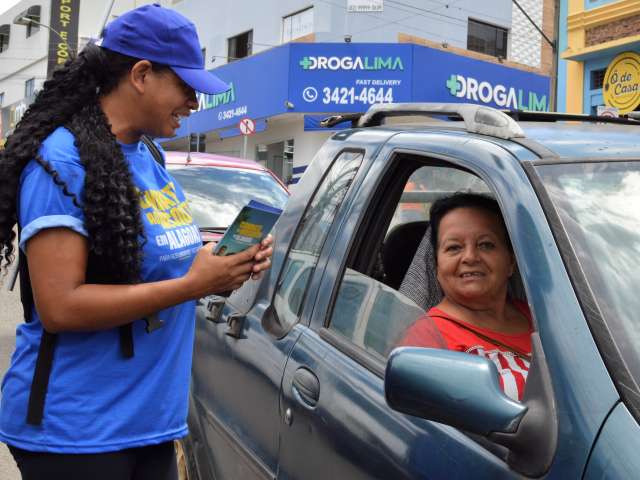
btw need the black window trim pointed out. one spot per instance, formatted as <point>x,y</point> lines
<point>611,356</point>
<point>299,227</point>
<point>231,58</point>
<point>5,34</point>
<point>498,28</point>
<point>33,28</point>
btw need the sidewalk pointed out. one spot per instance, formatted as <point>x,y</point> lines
<point>10,314</point>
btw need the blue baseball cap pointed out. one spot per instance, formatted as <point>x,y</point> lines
<point>163,36</point>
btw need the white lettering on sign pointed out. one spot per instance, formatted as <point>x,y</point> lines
<point>352,96</point>
<point>484,92</point>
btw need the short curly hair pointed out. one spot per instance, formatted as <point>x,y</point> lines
<point>444,205</point>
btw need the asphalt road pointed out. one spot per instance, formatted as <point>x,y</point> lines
<point>10,316</point>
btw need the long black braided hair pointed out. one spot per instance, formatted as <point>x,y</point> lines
<point>110,201</point>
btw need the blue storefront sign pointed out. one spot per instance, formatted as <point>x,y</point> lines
<point>445,77</point>
<point>350,77</point>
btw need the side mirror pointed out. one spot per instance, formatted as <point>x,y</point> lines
<point>450,387</point>
<point>462,390</point>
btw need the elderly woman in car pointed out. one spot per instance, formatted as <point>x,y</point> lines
<point>474,261</point>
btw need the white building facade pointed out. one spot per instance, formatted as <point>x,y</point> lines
<point>24,50</point>
<point>291,62</point>
<point>453,51</point>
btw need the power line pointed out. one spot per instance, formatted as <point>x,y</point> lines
<point>448,5</point>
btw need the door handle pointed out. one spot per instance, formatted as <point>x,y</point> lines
<point>306,388</point>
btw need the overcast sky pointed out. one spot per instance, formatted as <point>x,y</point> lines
<point>6,5</point>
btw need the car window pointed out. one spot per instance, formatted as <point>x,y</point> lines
<point>370,314</point>
<point>216,195</point>
<point>599,204</point>
<point>311,235</point>
<point>371,310</point>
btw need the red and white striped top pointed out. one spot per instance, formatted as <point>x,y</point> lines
<point>513,369</point>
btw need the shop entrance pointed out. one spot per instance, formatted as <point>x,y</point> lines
<point>277,157</point>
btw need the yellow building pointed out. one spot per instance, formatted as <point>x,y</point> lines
<point>599,55</point>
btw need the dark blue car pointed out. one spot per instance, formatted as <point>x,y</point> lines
<point>297,375</point>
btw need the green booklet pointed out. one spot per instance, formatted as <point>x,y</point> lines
<point>252,224</point>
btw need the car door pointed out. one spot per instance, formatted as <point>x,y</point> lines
<point>333,386</point>
<point>337,423</point>
<point>237,368</point>
<point>238,365</point>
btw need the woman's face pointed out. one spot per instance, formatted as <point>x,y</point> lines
<point>474,262</point>
<point>169,99</point>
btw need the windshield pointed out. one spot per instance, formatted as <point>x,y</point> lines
<point>216,195</point>
<point>599,206</point>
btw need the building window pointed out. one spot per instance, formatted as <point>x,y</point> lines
<point>1,99</point>
<point>240,46</point>
<point>33,13</point>
<point>30,88</point>
<point>5,32</point>
<point>597,78</point>
<point>297,25</point>
<point>277,157</point>
<point>489,39</point>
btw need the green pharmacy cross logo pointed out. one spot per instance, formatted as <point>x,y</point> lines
<point>305,63</point>
<point>453,85</point>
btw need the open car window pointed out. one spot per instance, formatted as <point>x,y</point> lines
<point>371,309</point>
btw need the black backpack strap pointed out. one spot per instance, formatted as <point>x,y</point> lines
<point>41,375</point>
<point>153,148</point>
<point>44,360</point>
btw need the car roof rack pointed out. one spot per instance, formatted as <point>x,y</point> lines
<point>524,115</point>
<point>477,118</point>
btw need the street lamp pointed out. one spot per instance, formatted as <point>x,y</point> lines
<point>26,18</point>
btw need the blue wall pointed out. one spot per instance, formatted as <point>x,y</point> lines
<point>589,4</point>
<point>561,88</point>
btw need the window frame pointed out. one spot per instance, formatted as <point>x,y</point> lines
<point>33,28</point>
<point>291,17</point>
<point>30,85</point>
<point>5,37</point>
<point>233,41</point>
<point>383,201</point>
<point>285,327</point>
<point>497,30</point>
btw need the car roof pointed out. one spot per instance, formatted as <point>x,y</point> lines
<point>211,160</point>
<point>566,140</point>
<point>551,135</point>
<point>554,136</point>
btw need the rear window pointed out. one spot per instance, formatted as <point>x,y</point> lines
<point>217,194</point>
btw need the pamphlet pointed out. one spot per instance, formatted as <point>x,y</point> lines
<point>252,224</point>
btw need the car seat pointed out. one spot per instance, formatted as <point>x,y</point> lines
<point>420,282</point>
<point>398,250</point>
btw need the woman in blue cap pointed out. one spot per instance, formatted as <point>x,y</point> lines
<point>92,390</point>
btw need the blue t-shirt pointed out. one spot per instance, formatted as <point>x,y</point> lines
<point>98,400</point>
